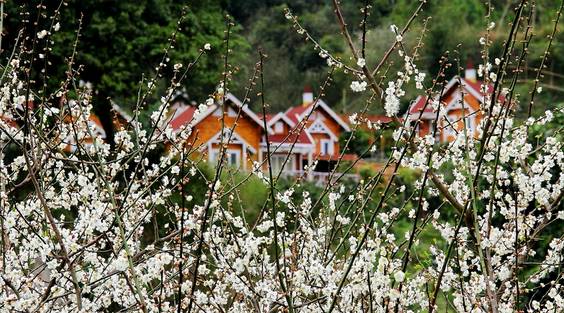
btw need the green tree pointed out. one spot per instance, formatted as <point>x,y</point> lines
<point>123,41</point>
<point>359,143</point>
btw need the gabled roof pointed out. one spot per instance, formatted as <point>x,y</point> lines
<point>298,113</point>
<point>320,128</point>
<point>271,119</point>
<point>295,135</point>
<point>268,116</point>
<point>294,113</point>
<point>186,115</point>
<point>419,105</point>
<point>471,87</point>
<point>234,138</point>
<point>126,116</point>
<point>245,108</point>
<point>182,116</point>
<point>298,133</point>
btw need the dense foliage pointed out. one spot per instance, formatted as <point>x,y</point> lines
<point>122,42</point>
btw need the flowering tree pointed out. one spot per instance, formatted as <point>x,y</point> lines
<point>87,227</point>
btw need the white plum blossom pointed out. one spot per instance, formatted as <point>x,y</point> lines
<point>42,34</point>
<point>392,103</point>
<point>147,224</point>
<point>361,62</point>
<point>358,86</point>
<point>419,78</point>
<point>399,276</point>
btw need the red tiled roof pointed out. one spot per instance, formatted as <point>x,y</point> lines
<point>475,85</point>
<point>268,116</point>
<point>290,138</point>
<point>419,104</point>
<point>378,118</point>
<point>296,111</point>
<point>183,118</point>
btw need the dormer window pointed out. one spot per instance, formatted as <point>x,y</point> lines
<point>278,127</point>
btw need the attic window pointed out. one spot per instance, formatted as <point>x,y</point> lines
<point>278,127</point>
<point>317,128</point>
<point>231,112</point>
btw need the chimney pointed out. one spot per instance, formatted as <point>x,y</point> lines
<point>470,72</point>
<point>307,96</point>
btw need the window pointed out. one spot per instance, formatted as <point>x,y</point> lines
<point>279,127</point>
<point>317,128</point>
<point>277,160</point>
<point>326,147</point>
<point>469,120</point>
<point>232,157</point>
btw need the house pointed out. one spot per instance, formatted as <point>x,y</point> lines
<point>323,125</point>
<point>120,120</point>
<point>462,99</point>
<point>302,135</point>
<point>296,138</point>
<point>206,136</point>
<point>85,137</point>
<point>291,145</point>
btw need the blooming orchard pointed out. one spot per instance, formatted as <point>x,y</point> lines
<point>88,226</point>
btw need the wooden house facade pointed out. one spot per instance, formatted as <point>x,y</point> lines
<point>462,101</point>
<point>297,137</point>
<point>244,138</point>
